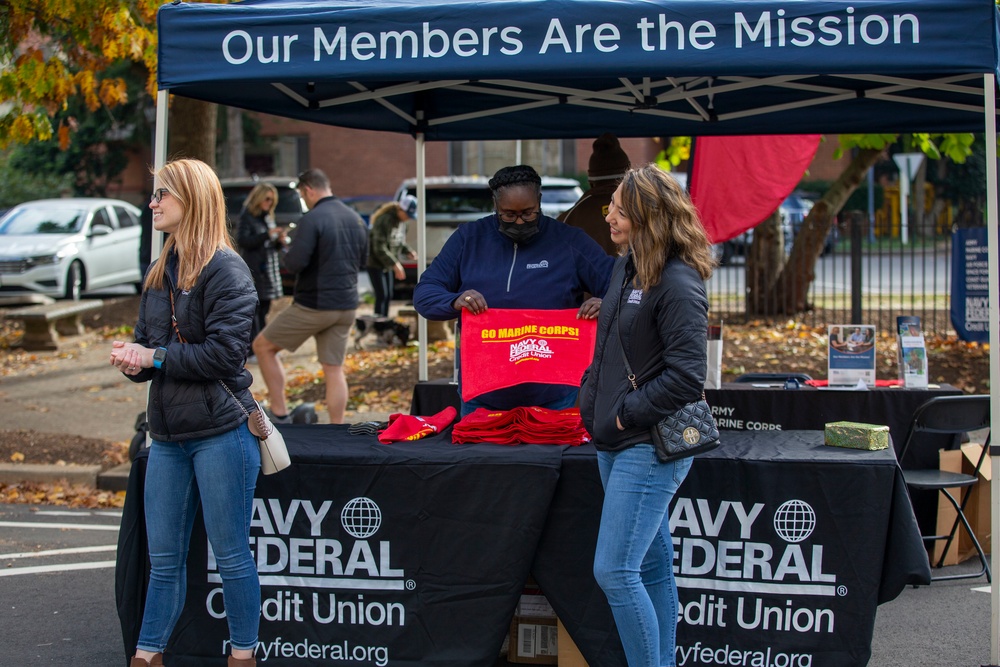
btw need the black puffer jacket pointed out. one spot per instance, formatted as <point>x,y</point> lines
<point>664,331</point>
<point>186,400</point>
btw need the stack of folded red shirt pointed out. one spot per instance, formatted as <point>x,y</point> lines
<point>521,425</point>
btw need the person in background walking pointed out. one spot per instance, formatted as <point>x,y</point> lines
<point>655,313</point>
<point>326,254</point>
<point>260,242</point>
<point>191,341</point>
<point>386,241</point>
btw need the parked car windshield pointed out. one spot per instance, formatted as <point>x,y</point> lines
<point>35,220</point>
<point>288,199</point>
<point>459,200</point>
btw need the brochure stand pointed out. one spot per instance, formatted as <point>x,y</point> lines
<point>912,352</point>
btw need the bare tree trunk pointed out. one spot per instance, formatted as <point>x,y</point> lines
<point>192,129</point>
<point>235,155</point>
<point>917,200</point>
<point>764,261</point>
<point>791,289</point>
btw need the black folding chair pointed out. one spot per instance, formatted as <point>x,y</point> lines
<point>950,415</point>
<point>773,377</point>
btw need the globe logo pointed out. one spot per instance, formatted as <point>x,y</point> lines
<point>361,518</point>
<point>794,521</point>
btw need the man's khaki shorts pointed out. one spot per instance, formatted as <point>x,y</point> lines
<point>296,324</point>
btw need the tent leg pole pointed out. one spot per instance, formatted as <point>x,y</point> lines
<point>989,85</point>
<point>159,158</point>
<point>421,250</point>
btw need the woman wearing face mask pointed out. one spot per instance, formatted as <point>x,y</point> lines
<point>516,258</point>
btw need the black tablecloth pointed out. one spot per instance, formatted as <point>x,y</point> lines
<point>744,407</point>
<point>416,553</point>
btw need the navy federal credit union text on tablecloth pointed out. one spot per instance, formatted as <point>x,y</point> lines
<point>416,553</point>
<point>784,546</point>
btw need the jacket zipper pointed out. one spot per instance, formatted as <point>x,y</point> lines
<point>511,273</point>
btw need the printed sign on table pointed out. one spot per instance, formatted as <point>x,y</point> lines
<point>504,347</point>
<point>852,355</point>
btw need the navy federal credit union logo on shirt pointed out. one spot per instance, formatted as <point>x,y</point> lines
<point>544,264</point>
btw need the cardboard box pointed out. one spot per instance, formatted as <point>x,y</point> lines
<point>856,435</point>
<point>533,641</point>
<point>977,509</point>
<point>569,654</point>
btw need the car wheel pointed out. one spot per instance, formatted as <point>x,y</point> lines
<point>74,281</point>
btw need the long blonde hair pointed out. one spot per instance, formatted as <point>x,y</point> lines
<point>202,230</point>
<point>664,223</point>
<point>257,196</point>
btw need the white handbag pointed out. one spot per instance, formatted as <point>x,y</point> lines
<point>273,452</point>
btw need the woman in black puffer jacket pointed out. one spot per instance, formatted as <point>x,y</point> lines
<point>202,450</point>
<point>657,312</point>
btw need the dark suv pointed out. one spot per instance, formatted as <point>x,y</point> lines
<point>290,206</point>
<point>287,212</point>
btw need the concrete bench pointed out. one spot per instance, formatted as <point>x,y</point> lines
<point>435,330</point>
<point>44,323</point>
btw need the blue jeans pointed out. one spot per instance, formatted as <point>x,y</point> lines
<point>635,555</point>
<point>227,466</point>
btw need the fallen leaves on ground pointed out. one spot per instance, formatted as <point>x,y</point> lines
<point>66,495</point>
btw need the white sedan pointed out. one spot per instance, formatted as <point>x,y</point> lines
<point>61,247</point>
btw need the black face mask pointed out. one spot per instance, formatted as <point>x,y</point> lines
<point>519,233</point>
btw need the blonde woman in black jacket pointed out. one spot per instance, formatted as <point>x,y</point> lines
<point>202,451</point>
<point>657,311</point>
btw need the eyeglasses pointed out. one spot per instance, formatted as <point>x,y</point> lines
<point>158,194</point>
<point>510,216</point>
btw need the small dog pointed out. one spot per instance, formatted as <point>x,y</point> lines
<point>388,330</point>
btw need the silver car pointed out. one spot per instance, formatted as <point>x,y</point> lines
<point>62,247</point>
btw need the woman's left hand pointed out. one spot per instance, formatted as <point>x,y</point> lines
<point>590,309</point>
<point>130,358</point>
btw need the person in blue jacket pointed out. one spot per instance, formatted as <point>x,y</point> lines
<point>516,258</point>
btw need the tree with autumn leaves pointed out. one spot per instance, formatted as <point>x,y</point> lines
<point>57,53</point>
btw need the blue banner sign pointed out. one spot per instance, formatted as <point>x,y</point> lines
<point>970,286</point>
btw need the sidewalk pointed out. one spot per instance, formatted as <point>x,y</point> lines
<point>76,391</point>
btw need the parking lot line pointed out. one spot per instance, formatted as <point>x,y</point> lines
<point>41,569</point>
<point>60,526</point>
<point>58,552</point>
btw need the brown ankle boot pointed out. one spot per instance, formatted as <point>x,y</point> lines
<point>156,661</point>
<point>244,662</point>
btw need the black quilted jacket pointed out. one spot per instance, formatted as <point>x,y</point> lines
<point>664,331</point>
<point>186,400</point>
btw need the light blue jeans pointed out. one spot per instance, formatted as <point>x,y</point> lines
<point>226,466</point>
<point>635,555</point>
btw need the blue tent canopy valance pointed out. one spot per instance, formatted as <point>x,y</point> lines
<point>457,69</point>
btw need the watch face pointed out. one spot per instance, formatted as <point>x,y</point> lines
<point>159,355</point>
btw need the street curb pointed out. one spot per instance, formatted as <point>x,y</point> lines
<point>15,473</point>
<point>113,479</point>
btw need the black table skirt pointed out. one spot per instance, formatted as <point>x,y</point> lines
<point>425,548</point>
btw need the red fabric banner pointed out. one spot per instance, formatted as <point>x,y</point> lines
<point>504,347</point>
<point>737,182</point>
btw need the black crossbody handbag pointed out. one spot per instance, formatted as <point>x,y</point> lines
<point>689,431</point>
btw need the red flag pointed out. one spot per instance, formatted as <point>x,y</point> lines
<point>737,182</point>
<point>504,347</point>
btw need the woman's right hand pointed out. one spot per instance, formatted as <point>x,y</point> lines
<point>471,300</point>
